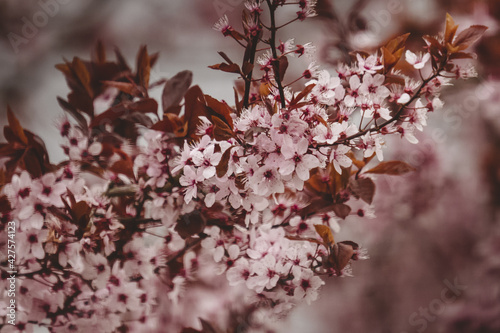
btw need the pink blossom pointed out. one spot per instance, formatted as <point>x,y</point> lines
<point>339,158</point>
<point>417,61</point>
<point>190,180</point>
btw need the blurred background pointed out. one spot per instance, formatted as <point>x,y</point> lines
<point>435,244</point>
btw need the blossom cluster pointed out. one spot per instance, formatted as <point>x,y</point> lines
<point>153,211</point>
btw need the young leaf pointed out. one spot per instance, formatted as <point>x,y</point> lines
<point>390,60</point>
<point>397,43</point>
<point>325,233</point>
<point>450,30</point>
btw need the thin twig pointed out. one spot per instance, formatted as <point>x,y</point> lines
<point>272,43</point>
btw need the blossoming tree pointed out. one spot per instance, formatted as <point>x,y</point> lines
<point>130,232</point>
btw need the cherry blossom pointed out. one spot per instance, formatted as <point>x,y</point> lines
<point>417,61</point>
<point>339,158</point>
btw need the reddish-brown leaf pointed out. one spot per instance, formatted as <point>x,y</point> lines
<point>64,68</point>
<point>397,43</point>
<point>363,188</point>
<point>247,68</point>
<point>319,181</point>
<point>145,105</point>
<point>341,210</point>
<point>340,255</point>
<point>325,9</point>
<point>222,131</point>
<point>236,35</point>
<point>82,74</point>
<point>207,327</point>
<point>450,29</point>
<point>153,58</point>
<point>394,79</point>
<point>173,110</point>
<point>81,102</point>
<point>126,87</point>
<point>73,112</point>
<point>392,168</point>
<point>195,107</point>
<point>223,165</point>
<point>143,67</point>
<point>359,164</point>
<point>124,167</point>
<point>325,233</point>
<point>469,36</point>
<point>3,181</point>
<point>109,116</point>
<point>461,55</point>
<point>16,128</point>
<point>229,68</point>
<point>221,109</point>
<point>432,41</point>
<point>389,59</point>
<point>225,57</point>
<point>190,224</point>
<point>169,124</point>
<point>31,163</point>
<point>302,94</point>
<point>121,60</point>
<point>80,212</point>
<point>190,330</point>
<point>283,65</point>
<point>175,89</point>
<point>339,181</point>
<point>4,204</point>
<point>99,55</point>
<point>237,102</point>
